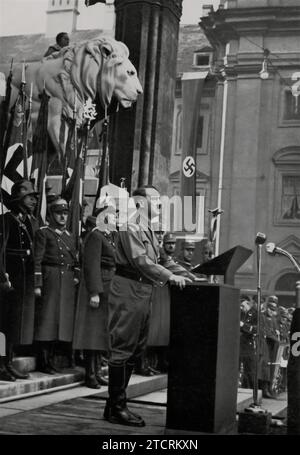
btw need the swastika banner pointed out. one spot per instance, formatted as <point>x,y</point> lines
<point>192,85</point>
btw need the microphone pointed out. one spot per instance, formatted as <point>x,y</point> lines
<point>271,248</point>
<point>260,238</point>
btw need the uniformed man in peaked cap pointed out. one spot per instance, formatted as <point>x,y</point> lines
<point>17,229</point>
<point>56,272</point>
<point>137,270</point>
<point>187,252</point>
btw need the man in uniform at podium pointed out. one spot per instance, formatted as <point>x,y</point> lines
<point>186,255</point>
<point>137,271</point>
<point>167,258</point>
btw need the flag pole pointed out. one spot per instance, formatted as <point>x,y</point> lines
<point>5,112</point>
<point>24,124</point>
<point>104,166</point>
<point>2,163</point>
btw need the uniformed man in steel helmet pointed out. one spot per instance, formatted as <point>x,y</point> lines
<point>56,274</point>
<point>17,229</point>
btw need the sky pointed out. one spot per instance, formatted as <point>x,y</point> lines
<point>20,17</point>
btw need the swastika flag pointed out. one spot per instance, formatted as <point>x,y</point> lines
<point>16,163</point>
<point>192,85</point>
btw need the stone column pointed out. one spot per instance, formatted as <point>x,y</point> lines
<point>141,138</point>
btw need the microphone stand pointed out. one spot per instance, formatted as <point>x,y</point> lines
<point>256,406</point>
<point>257,335</point>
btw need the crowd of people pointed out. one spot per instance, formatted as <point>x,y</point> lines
<point>273,344</point>
<point>95,299</point>
<point>105,297</point>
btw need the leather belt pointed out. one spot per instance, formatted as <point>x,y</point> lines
<point>59,266</point>
<point>132,275</point>
<point>18,252</point>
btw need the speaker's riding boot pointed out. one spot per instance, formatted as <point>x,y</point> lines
<point>98,370</point>
<point>90,376</point>
<point>4,374</point>
<point>9,366</point>
<point>116,410</point>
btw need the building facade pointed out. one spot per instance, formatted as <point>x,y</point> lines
<point>256,45</point>
<point>248,131</point>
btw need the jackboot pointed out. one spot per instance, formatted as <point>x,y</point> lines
<point>142,367</point>
<point>43,360</point>
<point>90,375</point>
<point>4,374</point>
<point>9,366</point>
<point>116,410</point>
<point>51,357</point>
<point>102,380</point>
<point>265,390</point>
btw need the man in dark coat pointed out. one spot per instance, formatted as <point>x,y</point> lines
<point>17,229</point>
<point>159,330</point>
<point>137,270</point>
<point>56,272</point>
<point>248,326</point>
<point>269,340</point>
<point>91,321</point>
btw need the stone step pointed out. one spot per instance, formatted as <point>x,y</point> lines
<point>38,382</point>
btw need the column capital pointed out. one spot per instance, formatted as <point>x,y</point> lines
<point>175,6</point>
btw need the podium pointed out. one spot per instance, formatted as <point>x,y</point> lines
<point>204,352</point>
<point>225,264</point>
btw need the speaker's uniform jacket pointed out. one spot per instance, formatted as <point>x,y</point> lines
<point>16,258</point>
<point>56,264</point>
<point>137,270</point>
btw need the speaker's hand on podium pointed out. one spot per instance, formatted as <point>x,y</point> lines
<point>178,280</point>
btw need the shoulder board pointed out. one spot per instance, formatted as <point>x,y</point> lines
<point>43,227</point>
<point>67,232</point>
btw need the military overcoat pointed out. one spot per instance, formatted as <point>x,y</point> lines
<point>16,258</point>
<point>55,267</point>
<point>98,267</point>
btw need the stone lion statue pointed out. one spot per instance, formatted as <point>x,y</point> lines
<point>99,70</point>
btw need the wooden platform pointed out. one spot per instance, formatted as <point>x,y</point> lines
<point>79,416</point>
<point>79,411</point>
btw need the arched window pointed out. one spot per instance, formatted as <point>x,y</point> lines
<point>287,186</point>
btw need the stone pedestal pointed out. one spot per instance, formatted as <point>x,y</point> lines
<point>141,138</point>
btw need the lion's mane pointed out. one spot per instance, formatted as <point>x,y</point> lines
<point>88,68</point>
